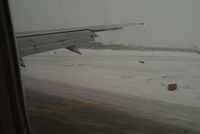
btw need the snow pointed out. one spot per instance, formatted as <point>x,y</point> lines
<point>120,71</point>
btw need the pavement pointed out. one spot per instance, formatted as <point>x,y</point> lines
<point>60,108</point>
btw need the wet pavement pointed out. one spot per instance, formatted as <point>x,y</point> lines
<point>81,111</point>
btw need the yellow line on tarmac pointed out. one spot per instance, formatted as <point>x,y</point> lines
<point>55,108</point>
<point>50,109</point>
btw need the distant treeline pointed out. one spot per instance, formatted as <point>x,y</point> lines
<point>99,45</point>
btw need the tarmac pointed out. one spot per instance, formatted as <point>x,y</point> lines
<point>76,110</point>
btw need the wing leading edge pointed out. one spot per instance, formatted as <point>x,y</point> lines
<point>40,41</point>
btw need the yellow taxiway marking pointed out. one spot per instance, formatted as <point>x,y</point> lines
<point>52,108</point>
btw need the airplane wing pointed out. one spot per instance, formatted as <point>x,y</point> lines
<point>40,41</point>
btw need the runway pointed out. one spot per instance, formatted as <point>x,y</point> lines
<point>106,91</point>
<point>88,111</point>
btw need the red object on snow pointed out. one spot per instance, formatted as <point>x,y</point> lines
<point>172,87</point>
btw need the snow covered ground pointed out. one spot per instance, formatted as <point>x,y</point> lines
<point>120,71</point>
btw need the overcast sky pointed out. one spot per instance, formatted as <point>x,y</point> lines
<point>171,23</point>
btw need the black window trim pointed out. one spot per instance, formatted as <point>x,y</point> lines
<point>13,115</point>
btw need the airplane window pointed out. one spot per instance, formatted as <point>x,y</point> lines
<point>110,66</point>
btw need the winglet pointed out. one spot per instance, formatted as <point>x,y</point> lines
<point>73,49</point>
<point>113,27</point>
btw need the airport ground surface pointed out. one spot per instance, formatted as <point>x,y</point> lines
<point>110,113</point>
<point>59,102</point>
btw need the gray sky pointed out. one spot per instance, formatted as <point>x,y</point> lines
<point>171,23</point>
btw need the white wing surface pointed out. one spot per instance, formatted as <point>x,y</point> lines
<point>41,41</point>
